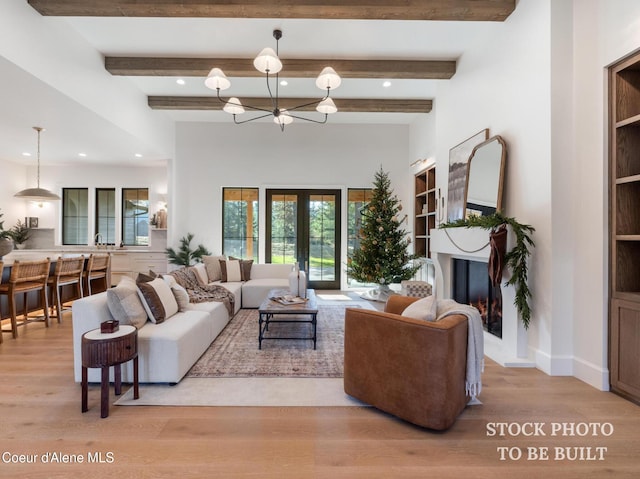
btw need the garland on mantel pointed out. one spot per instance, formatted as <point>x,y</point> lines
<point>516,259</point>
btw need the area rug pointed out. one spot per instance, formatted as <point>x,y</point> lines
<point>262,392</point>
<point>235,352</point>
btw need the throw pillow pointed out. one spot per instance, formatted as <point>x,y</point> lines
<point>125,305</point>
<point>230,270</point>
<point>424,309</point>
<point>158,300</point>
<point>212,265</point>
<point>245,268</point>
<point>146,277</point>
<point>181,295</point>
<point>201,273</point>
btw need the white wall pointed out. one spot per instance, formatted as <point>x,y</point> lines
<point>604,32</point>
<point>211,156</point>
<point>12,180</point>
<point>540,83</point>
<point>57,55</point>
<point>55,178</point>
<point>503,84</point>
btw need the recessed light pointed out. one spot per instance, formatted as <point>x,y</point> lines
<point>26,153</point>
<point>138,155</point>
<point>284,83</point>
<point>386,84</point>
<point>83,155</point>
<point>180,81</point>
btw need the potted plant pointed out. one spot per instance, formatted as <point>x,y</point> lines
<point>185,256</point>
<point>6,241</point>
<point>20,233</point>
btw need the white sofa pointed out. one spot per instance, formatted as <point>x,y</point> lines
<point>264,277</point>
<point>250,293</point>
<point>166,351</point>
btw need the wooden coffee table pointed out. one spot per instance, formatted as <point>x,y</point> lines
<point>306,312</point>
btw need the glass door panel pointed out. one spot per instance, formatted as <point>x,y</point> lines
<point>322,238</point>
<point>284,228</point>
<point>304,226</point>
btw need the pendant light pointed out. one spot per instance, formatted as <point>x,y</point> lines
<point>37,194</point>
<point>269,63</point>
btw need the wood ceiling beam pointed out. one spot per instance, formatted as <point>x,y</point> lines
<point>357,105</point>
<point>458,10</point>
<point>292,68</point>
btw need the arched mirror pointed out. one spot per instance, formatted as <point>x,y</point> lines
<point>485,177</point>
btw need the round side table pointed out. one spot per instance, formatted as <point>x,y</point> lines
<point>103,350</point>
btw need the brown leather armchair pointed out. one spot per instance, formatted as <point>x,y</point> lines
<point>410,368</point>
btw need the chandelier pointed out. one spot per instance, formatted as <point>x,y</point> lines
<point>267,62</point>
<point>37,194</point>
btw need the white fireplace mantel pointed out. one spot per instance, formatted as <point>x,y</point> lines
<point>473,244</point>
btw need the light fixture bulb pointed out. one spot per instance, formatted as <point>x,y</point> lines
<point>328,79</point>
<point>283,118</point>
<point>267,62</point>
<point>327,106</point>
<point>217,80</point>
<point>233,106</point>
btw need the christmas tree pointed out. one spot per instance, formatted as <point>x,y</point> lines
<point>382,255</point>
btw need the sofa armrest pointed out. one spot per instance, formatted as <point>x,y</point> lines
<point>410,368</point>
<point>87,314</point>
<point>397,303</point>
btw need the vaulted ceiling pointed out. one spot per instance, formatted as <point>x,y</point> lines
<point>413,44</point>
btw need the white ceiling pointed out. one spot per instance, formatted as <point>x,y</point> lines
<point>73,128</point>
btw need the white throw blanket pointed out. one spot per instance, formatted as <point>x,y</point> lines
<point>475,343</point>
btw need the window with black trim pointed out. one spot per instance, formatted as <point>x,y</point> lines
<point>135,216</point>
<point>240,222</point>
<point>75,216</point>
<point>106,215</point>
<point>357,198</point>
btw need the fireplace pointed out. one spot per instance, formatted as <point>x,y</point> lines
<point>471,284</point>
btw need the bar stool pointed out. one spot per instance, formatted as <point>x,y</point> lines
<point>68,272</point>
<point>26,276</point>
<point>97,268</point>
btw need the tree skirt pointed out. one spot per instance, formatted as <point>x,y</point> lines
<point>235,351</point>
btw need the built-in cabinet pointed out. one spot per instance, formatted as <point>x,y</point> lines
<point>130,263</point>
<point>624,211</point>
<point>424,211</point>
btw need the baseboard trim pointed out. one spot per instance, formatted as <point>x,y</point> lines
<point>591,374</point>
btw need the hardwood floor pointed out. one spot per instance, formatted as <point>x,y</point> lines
<point>40,414</point>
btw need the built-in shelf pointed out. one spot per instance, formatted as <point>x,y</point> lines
<point>424,210</point>
<point>628,179</point>
<point>624,221</point>
<point>627,237</point>
<point>633,121</point>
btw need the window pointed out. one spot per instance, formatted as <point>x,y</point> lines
<point>75,216</point>
<point>135,216</point>
<point>240,222</point>
<point>357,199</point>
<point>106,215</point>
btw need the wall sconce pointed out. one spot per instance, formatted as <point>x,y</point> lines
<point>419,161</point>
